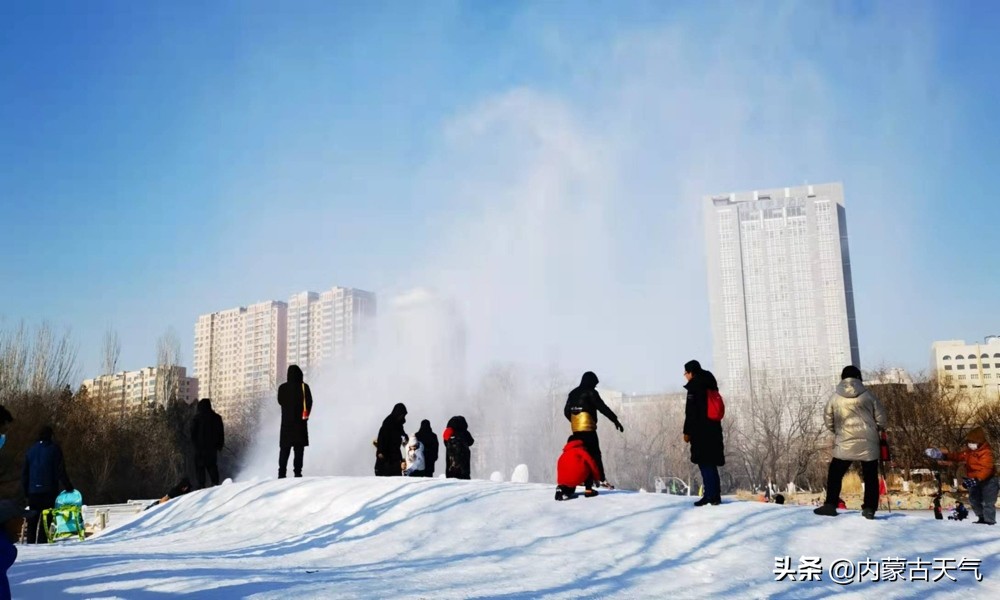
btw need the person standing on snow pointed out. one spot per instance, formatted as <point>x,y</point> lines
<point>704,434</point>
<point>43,477</point>
<point>296,402</point>
<point>388,446</point>
<point>581,410</point>
<point>430,441</point>
<point>854,415</point>
<point>457,442</point>
<point>208,436</point>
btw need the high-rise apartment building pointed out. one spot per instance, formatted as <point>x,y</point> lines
<point>240,356</point>
<point>132,390</point>
<point>780,293</point>
<point>328,327</point>
<point>971,367</point>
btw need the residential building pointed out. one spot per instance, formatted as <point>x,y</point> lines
<point>151,386</point>
<point>240,356</point>
<point>972,367</point>
<point>780,291</point>
<point>329,326</point>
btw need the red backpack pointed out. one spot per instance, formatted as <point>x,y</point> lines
<point>716,406</point>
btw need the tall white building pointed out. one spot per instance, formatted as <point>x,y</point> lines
<point>131,390</point>
<point>972,367</point>
<point>780,292</point>
<point>328,326</point>
<point>240,356</point>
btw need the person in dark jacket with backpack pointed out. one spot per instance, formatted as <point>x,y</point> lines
<point>704,434</point>
<point>430,441</point>
<point>457,443</point>
<point>43,478</point>
<point>208,436</point>
<point>581,410</point>
<point>389,445</point>
<point>296,402</point>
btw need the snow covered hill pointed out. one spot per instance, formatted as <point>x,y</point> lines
<point>362,537</point>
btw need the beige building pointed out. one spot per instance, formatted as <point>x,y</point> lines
<point>240,356</point>
<point>328,326</point>
<point>131,390</point>
<point>968,366</point>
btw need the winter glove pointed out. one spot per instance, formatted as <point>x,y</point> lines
<point>687,439</point>
<point>970,483</point>
<point>934,453</point>
<point>619,425</point>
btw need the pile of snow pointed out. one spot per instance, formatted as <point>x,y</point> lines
<point>366,537</point>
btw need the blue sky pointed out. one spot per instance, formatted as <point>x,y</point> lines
<point>542,162</point>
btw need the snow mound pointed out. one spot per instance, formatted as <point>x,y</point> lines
<point>366,537</point>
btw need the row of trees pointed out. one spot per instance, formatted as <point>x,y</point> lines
<point>111,455</point>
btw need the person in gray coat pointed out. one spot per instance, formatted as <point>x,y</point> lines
<point>854,415</point>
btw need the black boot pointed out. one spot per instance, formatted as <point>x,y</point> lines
<point>827,510</point>
<point>705,500</point>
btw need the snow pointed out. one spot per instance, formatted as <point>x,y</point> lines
<point>366,537</point>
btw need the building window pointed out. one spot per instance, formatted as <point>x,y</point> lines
<point>947,367</point>
<point>946,357</point>
<point>959,357</point>
<point>961,367</point>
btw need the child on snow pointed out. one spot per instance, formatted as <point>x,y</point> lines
<point>980,474</point>
<point>576,467</point>
<point>959,513</point>
<point>414,456</point>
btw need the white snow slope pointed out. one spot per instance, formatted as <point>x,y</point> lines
<point>363,537</point>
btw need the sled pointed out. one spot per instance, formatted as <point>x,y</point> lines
<point>65,521</point>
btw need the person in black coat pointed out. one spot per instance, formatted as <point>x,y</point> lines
<point>296,402</point>
<point>458,456</point>
<point>208,436</point>
<point>43,478</point>
<point>704,435</point>
<point>581,410</point>
<point>388,446</point>
<point>430,441</point>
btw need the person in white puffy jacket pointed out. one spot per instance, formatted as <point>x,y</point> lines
<point>414,456</point>
<point>854,415</point>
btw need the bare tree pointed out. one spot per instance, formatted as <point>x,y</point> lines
<point>651,445</point>
<point>41,363</point>
<point>776,437</point>
<point>111,349</point>
<point>168,358</point>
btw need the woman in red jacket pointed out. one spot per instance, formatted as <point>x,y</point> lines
<point>575,467</point>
